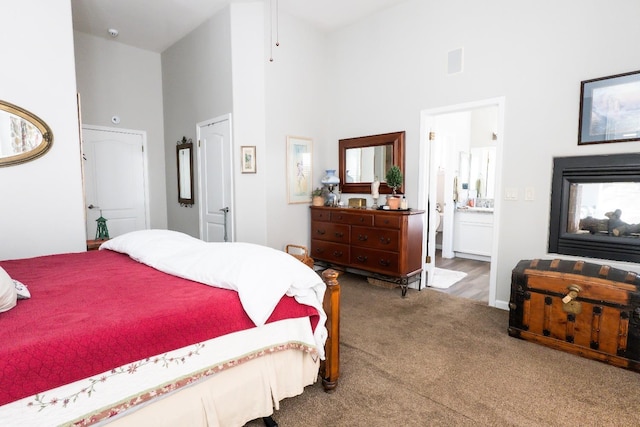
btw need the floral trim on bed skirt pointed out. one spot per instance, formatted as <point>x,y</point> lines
<point>165,360</point>
<point>149,395</point>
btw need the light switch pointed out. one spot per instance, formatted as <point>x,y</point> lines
<point>529,193</point>
<point>511,193</point>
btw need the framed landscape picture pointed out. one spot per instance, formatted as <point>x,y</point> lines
<point>610,109</point>
<point>299,171</point>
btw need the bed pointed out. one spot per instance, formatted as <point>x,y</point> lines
<point>158,328</point>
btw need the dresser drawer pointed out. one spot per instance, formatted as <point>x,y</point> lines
<point>330,252</point>
<point>320,215</point>
<point>376,238</point>
<point>352,218</point>
<point>388,221</point>
<point>374,260</point>
<point>330,232</point>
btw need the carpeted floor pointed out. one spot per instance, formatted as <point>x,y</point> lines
<point>432,359</point>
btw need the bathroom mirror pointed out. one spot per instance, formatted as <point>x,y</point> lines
<point>23,135</point>
<point>364,158</point>
<point>184,153</point>
<point>482,171</point>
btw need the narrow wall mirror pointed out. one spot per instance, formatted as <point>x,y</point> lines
<point>184,154</point>
<point>23,135</point>
<point>364,158</point>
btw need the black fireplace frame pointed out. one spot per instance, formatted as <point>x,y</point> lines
<point>590,169</point>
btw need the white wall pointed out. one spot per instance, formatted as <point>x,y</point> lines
<point>197,86</point>
<point>296,105</point>
<point>42,200</point>
<point>389,67</point>
<point>230,72</point>
<point>118,80</point>
<point>484,122</point>
<point>248,83</point>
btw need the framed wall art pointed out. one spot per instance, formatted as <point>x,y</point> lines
<point>248,158</point>
<point>610,109</point>
<point>299,170</point>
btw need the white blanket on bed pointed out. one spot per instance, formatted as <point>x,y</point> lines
<point>261,275</point>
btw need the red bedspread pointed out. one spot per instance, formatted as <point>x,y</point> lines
<point>90,312</point>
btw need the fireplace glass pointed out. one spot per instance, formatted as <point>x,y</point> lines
<point>595,207</point>
<point>611,208</point>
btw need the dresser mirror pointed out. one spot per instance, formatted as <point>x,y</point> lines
<point>365,158</point>
<point>184,153</point>
<point>23,136</point>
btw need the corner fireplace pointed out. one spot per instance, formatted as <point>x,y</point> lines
<point>595,207</point>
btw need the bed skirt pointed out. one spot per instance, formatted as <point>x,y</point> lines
<point>232,397</point>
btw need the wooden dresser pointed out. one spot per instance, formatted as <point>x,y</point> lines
<point>385,243</point>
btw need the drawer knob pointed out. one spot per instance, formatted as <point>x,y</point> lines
<point>337,254</point>
<point>384,263</point>
<point>363,238</point>
<point>361,258</point>
<point>321,232</point>
<point>338,234</point>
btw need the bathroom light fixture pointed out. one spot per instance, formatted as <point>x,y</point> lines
<point>113,32</point>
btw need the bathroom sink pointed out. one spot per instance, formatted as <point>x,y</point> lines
<point>475,209</point>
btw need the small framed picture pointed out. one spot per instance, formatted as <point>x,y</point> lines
<point>248,156</point>
<point>610,109</point>
<point>299,173</point>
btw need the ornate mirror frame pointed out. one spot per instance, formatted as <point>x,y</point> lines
<point>184,156</point>
<point>31,127</point>
<point>395,139</point>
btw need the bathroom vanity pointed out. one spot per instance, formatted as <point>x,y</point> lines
<point>473,233</point>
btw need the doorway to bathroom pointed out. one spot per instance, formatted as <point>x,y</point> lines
<point>461,151</point>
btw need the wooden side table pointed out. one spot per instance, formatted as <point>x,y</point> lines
<point>93,245</point>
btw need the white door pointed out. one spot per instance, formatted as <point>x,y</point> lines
<point>215,177</point>
<point>114,174</point>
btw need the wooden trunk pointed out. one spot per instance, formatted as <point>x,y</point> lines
<point>587,309</point>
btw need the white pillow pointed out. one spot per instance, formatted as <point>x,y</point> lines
<point>137,244</point>
<point>8,294</point>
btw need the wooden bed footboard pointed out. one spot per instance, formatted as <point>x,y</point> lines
<point>330,367</point>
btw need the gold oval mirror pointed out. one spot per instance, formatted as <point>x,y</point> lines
<point>23,135</point>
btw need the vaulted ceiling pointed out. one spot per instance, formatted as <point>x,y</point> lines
<point>157,24</point>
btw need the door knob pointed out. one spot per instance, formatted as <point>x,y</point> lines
<point>93,207</point>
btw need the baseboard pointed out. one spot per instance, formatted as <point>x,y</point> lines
<point>503,305</point>
<point>472,256</point>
